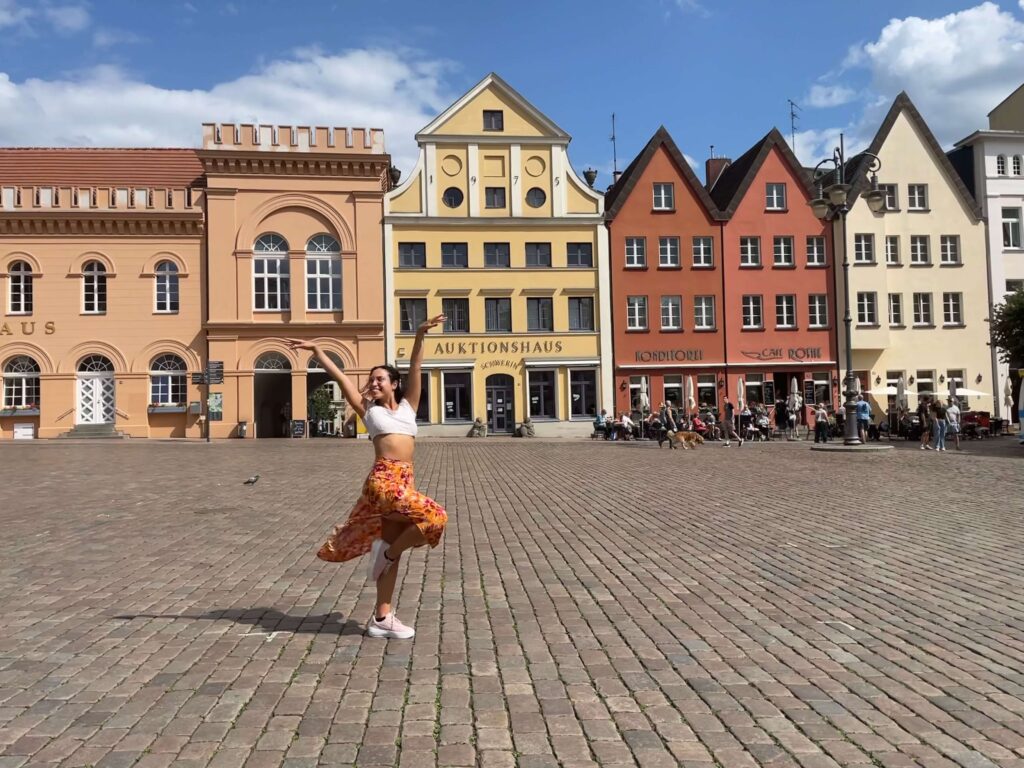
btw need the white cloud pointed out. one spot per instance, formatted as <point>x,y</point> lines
<point>694,6</point>
<point>105,38</point>
<point>13,15</point>
<point>106,106</point>
<point>829,96</point>
<point>67,18</point>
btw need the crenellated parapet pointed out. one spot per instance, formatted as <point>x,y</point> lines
<point>289,138</point>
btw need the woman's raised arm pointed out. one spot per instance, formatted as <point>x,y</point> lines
<point>348,387</point>
<point>412,388</point>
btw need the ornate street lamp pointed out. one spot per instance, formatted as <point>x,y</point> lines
<point>832,202</point>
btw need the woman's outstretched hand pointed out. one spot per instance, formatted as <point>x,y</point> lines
<point>433,322</point>
<point>309,346</point>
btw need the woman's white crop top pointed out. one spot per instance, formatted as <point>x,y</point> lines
<point>383,421</point>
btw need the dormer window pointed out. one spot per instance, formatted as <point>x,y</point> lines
<point>494,120</point>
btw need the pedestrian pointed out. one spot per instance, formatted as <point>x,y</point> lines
<point>924,417</point>
<point>863,418</point>
<point>939,424</point>
<point>953,417</point>
<point>820,423</point>
<point>390,516</point>
<point>728,424</point>
<point>669,426</point>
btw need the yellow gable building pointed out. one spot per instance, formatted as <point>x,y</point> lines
<point>494,229</point>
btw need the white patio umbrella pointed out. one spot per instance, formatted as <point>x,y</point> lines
<point>645,401</point>
<point>965,392</point>
<point>740,392</point>
<point>1008,394</point>
<point>888,391</point>
<point>901,393</point>
<point>1020,412</point>
<point>690,403</point>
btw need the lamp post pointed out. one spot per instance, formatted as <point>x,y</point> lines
<point>832,202</point>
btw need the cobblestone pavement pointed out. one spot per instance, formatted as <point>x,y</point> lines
<point>591,604</point>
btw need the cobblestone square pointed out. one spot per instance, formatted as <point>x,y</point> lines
<point>590,604</point>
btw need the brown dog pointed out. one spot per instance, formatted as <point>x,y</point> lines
<point>687,440</point>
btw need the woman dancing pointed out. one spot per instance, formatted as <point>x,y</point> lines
<point>390,516</point>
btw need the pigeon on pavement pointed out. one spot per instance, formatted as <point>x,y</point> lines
<point>252,480</point>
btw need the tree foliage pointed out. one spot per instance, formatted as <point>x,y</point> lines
<point>1007,328</point>
<point>321,404</point>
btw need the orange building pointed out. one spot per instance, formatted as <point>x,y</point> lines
<point>123,272</point>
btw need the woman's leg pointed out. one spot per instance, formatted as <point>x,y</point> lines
<point>401,535</point>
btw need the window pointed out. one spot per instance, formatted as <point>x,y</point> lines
<point>664,197</point>
<point>674,390</point>
<point>423,409</point>
<point>917,197</point>
<point>458,389</point>
<point>636,252</point>
<point>94,288</point>
<point>822,387</point>
<point>949,249</point>
<point>411,313</point>
<point>536,197</point>
<point>272,361</point>
<point>167,287</point>
<point>671,313</point>
<point>896,309</point>
<point>754,386</point>
<point>704,313</point>
<point>539,314</point>
<point>494,120</point>
<point>952,309</point>
<point>581,313</point>
<point>925,382</point>
<point>703,252</point>
<point>955,380</point>
<point>19,293</point>
<point>639,392</point>
<point>538,254</point>
<point>817,310</point>
<point>785,311</point>
<point>668,251</point>
<point>922,309</point>
<point>542,394</point>
<point>494,197</point>
<point>1011,227</point>
<point>271,279</point>
<point>919,249</point>
<point>863,249</point>
<point>452,197</point>
<point>816,251</point>
<point>21,383</point>
<point>750,251</point>
<point>579,254</point>
<point>1016,165</point>
<point>892,250</point>
<point>752,312</point>
<point>323,274</point>
<point>454,255</point>
<point>636,313</point>
<point>1000,165</point>
<point>1012,286</point>
<point>775,197</point>
<point>707,391</point>
<point>496,255</point>
<point>583,393</point>
<point>867,310</point>
<point>498,315</point>
<point>892,200</point>
<point>783,248</point>
<point>456,315</point>
<point>412,255</point>
<point>167,381</point>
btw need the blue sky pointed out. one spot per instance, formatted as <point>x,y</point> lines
<point>147,73</point>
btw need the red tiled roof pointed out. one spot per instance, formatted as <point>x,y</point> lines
<point>61,166</point>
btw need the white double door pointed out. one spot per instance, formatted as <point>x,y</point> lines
<point>96,398</point>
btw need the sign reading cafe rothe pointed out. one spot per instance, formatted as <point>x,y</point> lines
<point>27,328</point>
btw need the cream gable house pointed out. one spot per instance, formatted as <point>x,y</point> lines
<point>919,288</point>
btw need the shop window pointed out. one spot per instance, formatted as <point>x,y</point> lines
<point>640,393</point>
<point>542,395</point>
<point>674,391</point>
<point>583,393</point>
<point>707,391</point>
<point>822,388</point>
<point>458,390</point>
<point>753,384</point>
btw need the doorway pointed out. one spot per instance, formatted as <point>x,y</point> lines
<point>501,416</point>
<point>272,395</point>
<point>95,392</point>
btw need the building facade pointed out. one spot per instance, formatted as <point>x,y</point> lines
<point>991,164</point>
<point>919,286</point>
<point>665,248</point>
<point>123,272</point>
<point>494,229</point>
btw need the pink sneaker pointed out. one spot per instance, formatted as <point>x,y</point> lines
<point>390,627</point>
<point>379,562</point>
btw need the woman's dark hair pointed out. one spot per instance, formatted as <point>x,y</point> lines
<point>396,379</point>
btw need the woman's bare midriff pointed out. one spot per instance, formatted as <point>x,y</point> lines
<point>397,447</point>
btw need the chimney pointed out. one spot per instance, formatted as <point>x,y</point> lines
<point>616,175</point>
<point>713,168</point>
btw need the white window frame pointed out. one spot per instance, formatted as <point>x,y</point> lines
<point>892,196</point>
<point>668,252</point>
<point>267,248</point>
<point>703,251</point>
<point>916,250</point>
<point>20,289</point>
<point>785,310</point>
<point>636,252</point>
<point>864,248</point>
<point>922,301</point>
<point>750,251</point>
<point>917,197</point>
<point>166,288</point>
<point>775,196</point>
<point>949,249</point>
<point>1017,165</point>
<point>783,251</point>
<point>867,308</point>
<point>1011,228</point>
<point>94,288</point>
<point>671,313</point>
<point>817,310</point>
<point>19,379</point>
<point>753,312</point>
<point>953,309</point>
<point>704,313</point>
<point>323,265</point>
<point>816,255</point>
<point>664,196</point>
<point>896,310</point>
<point>1000,165</point>
<point>165,381</point>
<point>957,376</point>
<point>636,313</point>
<point>892,250</point>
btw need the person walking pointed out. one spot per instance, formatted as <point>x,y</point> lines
<point>390,516</point>
<point>939,424</point>
<point>924,416</point>
<point>668,424</point>
<point>953,417</point>
<point>863,418</point>
<point>728,424</point>
<point>820,423</point>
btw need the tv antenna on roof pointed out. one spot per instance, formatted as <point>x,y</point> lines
<point>615,156</point>
<point>793,117</point>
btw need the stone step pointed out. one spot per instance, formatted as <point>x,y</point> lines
<point>93,432</point>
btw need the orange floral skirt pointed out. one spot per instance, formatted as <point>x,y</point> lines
<point>388,490</point>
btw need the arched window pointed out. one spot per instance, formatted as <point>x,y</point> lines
<point>168,381</point>
<point>273,361</point>
<point>1016,165</point>
<point>315,365</point>
<point>1000,165</point>
<point>21,382</point>
<point>94,288</point>
<point>95,364</point>
<point>19,296</point>
<point>271,283</point>
<point>167,287</point>
<point>323,274</point>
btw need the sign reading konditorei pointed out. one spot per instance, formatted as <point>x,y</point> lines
<point>26,328</point>
<point>779,353</point>
<point>669,355</point>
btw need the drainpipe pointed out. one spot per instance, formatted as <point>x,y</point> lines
<point>725,314</point>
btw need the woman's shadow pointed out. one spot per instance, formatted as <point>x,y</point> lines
<point>268,620</point>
